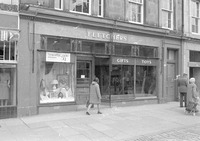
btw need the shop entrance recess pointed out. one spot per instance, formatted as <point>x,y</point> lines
<point>171,75</point>
<point>102,72</point>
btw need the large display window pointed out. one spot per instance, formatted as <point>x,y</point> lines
<point>56,78</point>
<point>133,76</point>
<point>122,79</point>
<point>7,85</point>
<point>145,80</point>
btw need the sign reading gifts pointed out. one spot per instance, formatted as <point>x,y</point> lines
<point>57,57</point>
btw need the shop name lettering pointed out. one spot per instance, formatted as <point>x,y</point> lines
<point>107,36</point>
<point>146,62</point>
<point>122,60</point>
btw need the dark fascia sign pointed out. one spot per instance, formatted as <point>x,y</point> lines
<point>133,61</point>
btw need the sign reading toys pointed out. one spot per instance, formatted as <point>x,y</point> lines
<point>57,57</point>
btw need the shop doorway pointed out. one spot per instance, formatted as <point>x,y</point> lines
<point>102,72</point>
<point>170,82</point>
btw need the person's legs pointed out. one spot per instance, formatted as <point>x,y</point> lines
<point>89,106</point>
<point>98,107</point>
<point>185,99</point>
<point>181,100</point>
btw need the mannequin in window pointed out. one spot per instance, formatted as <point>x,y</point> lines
<point>4,86</point>
<point>44,94</point>
<point>55,90</point>
<point>66,92</point>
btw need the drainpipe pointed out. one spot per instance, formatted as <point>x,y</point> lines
<point>182,43</point>
<point>33,50</point>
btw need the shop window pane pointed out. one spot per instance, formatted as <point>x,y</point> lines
<point>147,52</point>
<point>7,50</point>
<point>56,81</point>
<point>57,44</point>
<point>86,46</point>
<point>126,50</point>
<point>194,56</point>
<point>145,81</point>
<point>7,87</point>
<point>118,50</point>
<point>122,80</point>
<point>122,49</point>
<point>100,48</point>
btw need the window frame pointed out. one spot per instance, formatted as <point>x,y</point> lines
<point>89,10</point>
<point>169,11</point>
<point>60,3</point>
<point>142,11</point>
<point>86,80</point>
<point>100,7</point>
<point>11,2</point>
<point>196,17</point>
<point>8,46</point>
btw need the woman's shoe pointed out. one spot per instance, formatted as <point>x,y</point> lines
<point>99,112</point>
<point>87,113</point>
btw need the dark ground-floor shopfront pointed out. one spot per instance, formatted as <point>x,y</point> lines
<point>64,77</point>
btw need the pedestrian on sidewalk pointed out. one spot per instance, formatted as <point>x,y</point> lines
<point>95,95</point>
<point>182,86</point>
<point>192,97</point>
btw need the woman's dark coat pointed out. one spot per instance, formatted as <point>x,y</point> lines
<point>95,95</point>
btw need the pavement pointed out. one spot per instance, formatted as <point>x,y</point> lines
<point>154,122</point>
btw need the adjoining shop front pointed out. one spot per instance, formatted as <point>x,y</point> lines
<point>8,71</point>
<point>67,63</point>
<point>9,38</point>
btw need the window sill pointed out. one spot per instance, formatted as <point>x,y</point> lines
<point>146,98</point>
<point>80,13</point>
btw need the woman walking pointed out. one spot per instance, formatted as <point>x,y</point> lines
<point>95,96</point>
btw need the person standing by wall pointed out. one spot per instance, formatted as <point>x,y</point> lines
<point>95,95</point>
<point>182,86</point>
<point>4,86</point>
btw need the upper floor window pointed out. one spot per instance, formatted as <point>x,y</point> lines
<point>12,2</point>
<point>167,14</point>
<point>136,11</point>
<point>58,4</point>
<point>81,6</point>
<point>195,16</point>
<point>100,8</point>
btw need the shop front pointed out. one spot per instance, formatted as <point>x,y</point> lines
<point>8,70</point>
<point>69,58</point>
<point>131,78</point>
